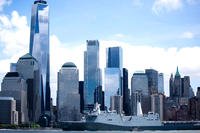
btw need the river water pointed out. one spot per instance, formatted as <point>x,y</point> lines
<point>61,131</point>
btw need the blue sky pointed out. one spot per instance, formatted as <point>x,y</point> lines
<point>159,34</point>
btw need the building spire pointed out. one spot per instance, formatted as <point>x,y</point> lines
<point>177,72</point>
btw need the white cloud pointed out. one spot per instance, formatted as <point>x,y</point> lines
<point>188,35</point>
<point>3,3</point>
<point>14,41</point>
<point>14,34</point>
<point>166,5</point>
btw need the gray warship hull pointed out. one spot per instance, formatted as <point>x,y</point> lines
<point>95,126</point>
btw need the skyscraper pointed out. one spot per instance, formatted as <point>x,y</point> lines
<point>92,73</point>
<point>177,84</point>
<point>139,82</point>
<point>27,66</point>
<point>68,97</point>
<point>140,93</point>
<point>114,57</point>
<point>113,74</point>
<point>39,47</point>
<point>160,83</point>
<point>126,93</point>
<point>152,80</point>
<point>13,85</point>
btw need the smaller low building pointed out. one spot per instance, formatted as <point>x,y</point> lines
<point>8,113</point>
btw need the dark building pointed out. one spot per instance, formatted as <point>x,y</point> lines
<point>99,97</point>
<point>171,86</point>
<point>185,86</point>
<point>8,113</point>
<point>81,92</point>
<point>126,93</point>
<point>182,113</point>
<point>194,108</point>
<point>152,76</point>
<point>177,84</point>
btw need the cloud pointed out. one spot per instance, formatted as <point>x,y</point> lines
<point>188,35</point>
<point>14,34</point>
<point>14,41</point>
<point>166,5</point>
<point>3,3</point>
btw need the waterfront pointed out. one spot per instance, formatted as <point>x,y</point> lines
<point>61,131</point>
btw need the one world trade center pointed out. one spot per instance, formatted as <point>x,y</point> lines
<point>39,48</point>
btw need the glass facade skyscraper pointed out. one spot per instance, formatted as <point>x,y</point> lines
<point>39,46</point>
<point>92,73</point>
<point>114,57</point>
<point>113,74</point>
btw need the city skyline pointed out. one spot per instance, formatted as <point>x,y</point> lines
<point>15,24</point>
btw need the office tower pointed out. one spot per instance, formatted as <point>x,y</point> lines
<point>92,76</point>
<point>185,86</point>
<point>126,93</point>
<point>39,47</point>
<point>139,87</point>
<point>8,113</point>
<point>171,86</point>
<point>68,97</point>
<point>157,104</point>
<point>177,84</point>
<point>81,89</point>
<point>13,67</point>
<point>116,103</point>
<point>139,82</point>
<point>114,57</point>
<point>27,66</point>
<point>113,74</point>
<point>13,85</point>
<point>160,83</point>
<point>152,76</point>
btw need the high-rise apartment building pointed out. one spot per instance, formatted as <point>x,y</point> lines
<point>92,73</point>
<point>39,48</point>
<point>68,97</point>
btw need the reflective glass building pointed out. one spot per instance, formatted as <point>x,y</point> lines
<point>114,57</point>
<point>113,74</point>
<point>92,73</point>
<point>39,46</point>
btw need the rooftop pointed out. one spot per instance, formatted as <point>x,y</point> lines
<point>40,1</point>
<point>69,64</point>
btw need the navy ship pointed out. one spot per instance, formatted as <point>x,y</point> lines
<point>98,120</point>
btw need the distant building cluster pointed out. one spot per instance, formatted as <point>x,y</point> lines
<point>25,90</point>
